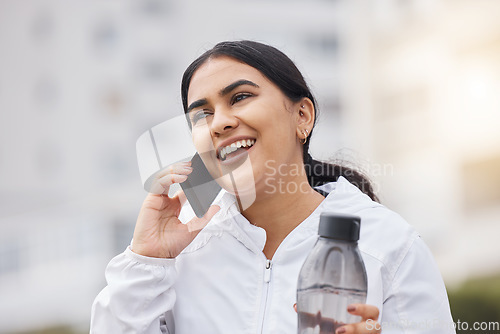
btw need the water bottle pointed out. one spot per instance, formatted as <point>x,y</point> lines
<point>332,277</point>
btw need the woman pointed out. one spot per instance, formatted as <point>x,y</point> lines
<point>235,270</point>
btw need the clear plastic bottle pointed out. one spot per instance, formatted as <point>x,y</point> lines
<point>332,277</point>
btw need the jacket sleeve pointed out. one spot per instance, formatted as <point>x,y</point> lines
<point>417,301</point>
<point>138,297</point>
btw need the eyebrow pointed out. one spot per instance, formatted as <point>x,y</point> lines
<point>196,104</point>
<point>224,91</point>
<point>236,84</point>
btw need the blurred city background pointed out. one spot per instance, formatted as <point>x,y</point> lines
<point>409,91</point>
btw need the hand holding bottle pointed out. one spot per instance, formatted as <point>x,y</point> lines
<point>368,324</point>
<point>332,285</point>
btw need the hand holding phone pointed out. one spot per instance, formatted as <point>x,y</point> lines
<point>158,231</point>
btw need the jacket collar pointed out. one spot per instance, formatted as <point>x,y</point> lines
<point>342,197</point>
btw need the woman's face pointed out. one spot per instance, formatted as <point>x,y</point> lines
<point>232,103</point>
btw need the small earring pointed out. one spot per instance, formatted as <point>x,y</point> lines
<point>305,136</point>
<point>302,106</point>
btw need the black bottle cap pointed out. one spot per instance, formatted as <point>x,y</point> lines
<point>339,226</point>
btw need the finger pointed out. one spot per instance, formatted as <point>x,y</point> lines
<point>156,188</point>
<point>295,307</point>
<point>368,327</point>
<point>197,224</point>
<point>177,168</point>
<point>161,186</point>
<point>153,201</point>
<point>181,196</point>
<point>364,311</point>
<point>170,179</point>
<point>166,181</point>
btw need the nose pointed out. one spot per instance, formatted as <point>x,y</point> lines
<point>222,122</point>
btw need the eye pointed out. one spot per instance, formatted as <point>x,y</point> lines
<point>239,97</point>
<point>200,114</point>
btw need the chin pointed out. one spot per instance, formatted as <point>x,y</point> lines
<point>240,182</point>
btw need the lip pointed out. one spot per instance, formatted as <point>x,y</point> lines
<point>238,158</point>
<point>231,140</point>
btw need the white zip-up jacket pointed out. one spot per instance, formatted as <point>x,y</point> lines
<point>223,283</point>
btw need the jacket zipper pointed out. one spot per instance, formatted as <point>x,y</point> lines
<point>265,295</point>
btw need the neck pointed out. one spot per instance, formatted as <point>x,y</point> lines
<point>281,211</point>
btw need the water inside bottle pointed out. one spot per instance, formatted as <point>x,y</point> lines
<point>323,309</point>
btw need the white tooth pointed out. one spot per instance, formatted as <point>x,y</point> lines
<point>243,143</point>
<point>252,142</point>
<point>248,142</point>
<point>238,144</point>
<point>223,153</point>
<point>233,145</point>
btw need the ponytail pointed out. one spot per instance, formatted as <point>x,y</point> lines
<point>319,173</point>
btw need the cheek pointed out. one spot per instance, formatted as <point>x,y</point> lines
<point>202,145</point>
<point>278,129</point>
<point>202,140</point>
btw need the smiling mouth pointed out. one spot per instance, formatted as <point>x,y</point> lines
<point>235,149</point>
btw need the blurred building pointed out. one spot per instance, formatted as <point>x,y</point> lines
<point>435,113</point>
<point>410,88</point>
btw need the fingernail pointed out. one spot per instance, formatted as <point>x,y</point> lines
<point>351,308</point>
<point>341,330</point>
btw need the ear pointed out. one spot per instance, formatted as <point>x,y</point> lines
<point>305,116</point>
